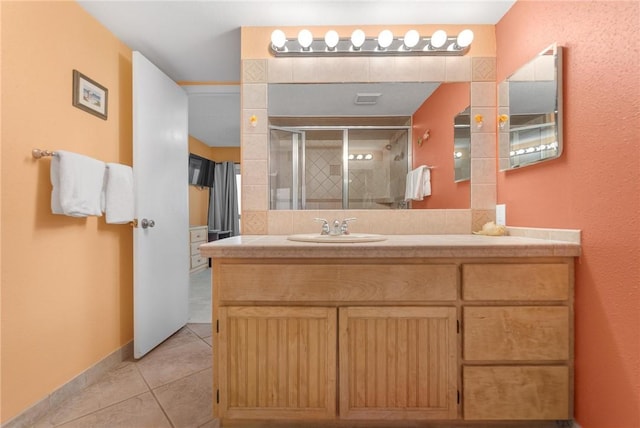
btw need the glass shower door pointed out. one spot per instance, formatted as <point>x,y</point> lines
<point>286,148</point>
<point>377,168</point>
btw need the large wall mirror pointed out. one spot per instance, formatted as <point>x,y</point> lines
<point>530,112</point>
<point>344,145</point>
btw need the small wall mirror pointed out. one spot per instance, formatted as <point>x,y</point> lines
<point>530,112</point>
<point>462,145</point>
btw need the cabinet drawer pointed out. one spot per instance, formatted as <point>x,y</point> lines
<point>194,248</point>
<point>515,281</point>
<point>516,333</point>
<point>198,235</point>
<point>198,261</point>
<point>518,393</point>
<point>337,283</point>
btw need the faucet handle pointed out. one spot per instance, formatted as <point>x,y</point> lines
<point>344,227</point>
<point>325,225</point>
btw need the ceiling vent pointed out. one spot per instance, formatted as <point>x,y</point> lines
<point>367,98</point>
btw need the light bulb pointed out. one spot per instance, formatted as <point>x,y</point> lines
<point>305,38</point>
<point>368,156</point>
<point>385,38</point>
<point>331,38</point>
<point>411,38</point>
<point>357,38</point>
<point>351,157</point>
<point>438,39</point>
<point>464,38</point>
<point>359,157</point>
<point>278,39</point>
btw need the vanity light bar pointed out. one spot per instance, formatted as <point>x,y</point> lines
<point>384,44</point>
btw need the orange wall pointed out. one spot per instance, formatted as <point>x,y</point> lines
<point>66,282</point>
<point>594,187</point>
<point>199,197</point>
<point>437,114</point>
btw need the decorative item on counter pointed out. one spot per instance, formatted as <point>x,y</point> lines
<point>424,137</point>
<point>253,120</point>
<point>502,120</point>
<point>479,120</point>
<point>492,229</point>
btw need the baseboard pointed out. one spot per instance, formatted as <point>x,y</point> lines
<point>35,412</point>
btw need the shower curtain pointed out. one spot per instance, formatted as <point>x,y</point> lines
<point>223,199</point>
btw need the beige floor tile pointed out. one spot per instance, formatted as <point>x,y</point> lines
<point>141,411</point>
<point>164,365</point>
<point>118,385</point>
<point>179,338</point>
<point>202,330</point>
<point>215,423</point>
<point>188,401</point>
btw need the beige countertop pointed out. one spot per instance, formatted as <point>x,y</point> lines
<point>278,246</point>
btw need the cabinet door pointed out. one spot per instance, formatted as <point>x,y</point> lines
<point>277,362</point>
<point>398,363</point>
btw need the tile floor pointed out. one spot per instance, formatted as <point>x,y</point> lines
<point>200,297</point>
<point>169,387</point>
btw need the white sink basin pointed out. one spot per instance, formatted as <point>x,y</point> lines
<point>337,239</point>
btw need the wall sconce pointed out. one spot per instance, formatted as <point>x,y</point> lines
<point>479,120</point>
<point>359,44</point>
<point>253,120</point>
<point>424,137</point>
<point>502,120</point>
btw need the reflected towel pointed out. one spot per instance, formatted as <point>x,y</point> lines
<point>77,184</point>
<point>119,207</point>
<point>418,184</point>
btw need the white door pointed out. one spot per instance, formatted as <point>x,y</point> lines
<point>160,242</point>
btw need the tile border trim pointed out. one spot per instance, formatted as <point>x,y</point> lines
<point>88,377</point>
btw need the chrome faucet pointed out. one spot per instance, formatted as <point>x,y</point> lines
<point>338,227</point>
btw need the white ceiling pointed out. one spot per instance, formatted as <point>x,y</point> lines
<point>199,41</point>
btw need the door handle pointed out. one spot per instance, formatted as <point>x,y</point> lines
<point>147,223</point>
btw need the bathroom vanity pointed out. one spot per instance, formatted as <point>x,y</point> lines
<point>416,327</point>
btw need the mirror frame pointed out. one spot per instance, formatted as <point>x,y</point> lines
<point>504,125</point>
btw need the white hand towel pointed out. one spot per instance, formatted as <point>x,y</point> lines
<point>426,182</point>
<point>119,207</point>
<point>415,184</point>
<point>77,184</point>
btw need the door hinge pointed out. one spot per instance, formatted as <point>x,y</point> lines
<point>218,396</point>
<point>458,326</point>
<point>217,326</point>
<point>458,396</point>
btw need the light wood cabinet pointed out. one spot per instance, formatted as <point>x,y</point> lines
<point>280,362</point>
<point>398,363</point>
<point>517,341</point>
<point>352,340</point>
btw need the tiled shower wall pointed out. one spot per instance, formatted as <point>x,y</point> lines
<point>258,73</point>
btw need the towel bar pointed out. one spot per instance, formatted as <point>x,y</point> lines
<point>37,153</point>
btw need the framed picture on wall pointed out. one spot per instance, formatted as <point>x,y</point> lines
<point>89,95</point>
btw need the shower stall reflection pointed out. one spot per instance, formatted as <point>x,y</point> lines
<point>338,168</point>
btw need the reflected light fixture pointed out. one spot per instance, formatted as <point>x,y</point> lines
<point>359,44</point>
